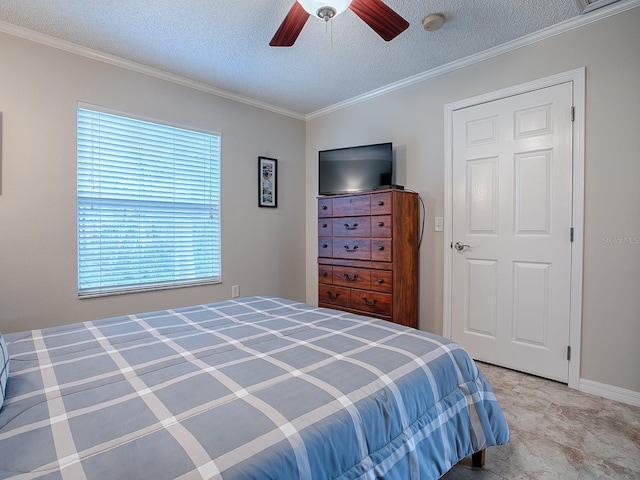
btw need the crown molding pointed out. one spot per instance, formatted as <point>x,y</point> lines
<point>139,68</point>
<point>535,37</point>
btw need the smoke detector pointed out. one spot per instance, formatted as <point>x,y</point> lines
<point>433,22</point>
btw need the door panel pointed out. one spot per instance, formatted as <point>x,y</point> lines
<point>482,297</point>
<point>531,303</point>
<point>482,196</point>
<point>533,193</point>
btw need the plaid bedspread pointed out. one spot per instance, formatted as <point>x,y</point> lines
<point>255,388</point>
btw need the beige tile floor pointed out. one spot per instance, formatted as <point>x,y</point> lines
<point>557,433</point>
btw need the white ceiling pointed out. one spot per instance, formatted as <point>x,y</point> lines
<point>225,43</point>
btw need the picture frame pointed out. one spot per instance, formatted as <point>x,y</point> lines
<point>267,182</point>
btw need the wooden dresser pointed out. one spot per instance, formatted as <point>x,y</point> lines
<point>368,254</point>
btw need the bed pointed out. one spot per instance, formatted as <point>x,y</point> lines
<point>253,388</point>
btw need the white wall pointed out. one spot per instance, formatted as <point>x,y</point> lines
<point>413,117</point>
<point>39,90</point>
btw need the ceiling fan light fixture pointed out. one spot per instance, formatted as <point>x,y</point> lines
<point>381,18</point>
<point>325,9</point>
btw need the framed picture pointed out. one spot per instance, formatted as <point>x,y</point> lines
<point>267,182</point>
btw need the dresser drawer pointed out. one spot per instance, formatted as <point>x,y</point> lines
<point>325,227</point>
<point>381,249</point>
<point>381,281</point>
<point>372,302</point>
<point>381,226</point>
<point>324,207</point>
<point>332,295</point>
<point>352,226</point>
<point>325,274</point>
<point>325,247</point>
<point>381,203</point>
<point>352,277</point>
<point>352,248</point>
<point>351,205</point>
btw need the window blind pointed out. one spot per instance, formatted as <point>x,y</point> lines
<point>148,205</point>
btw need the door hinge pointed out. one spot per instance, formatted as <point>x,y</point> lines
<point>573,114</point>
<point>571,234</point>
<point>568,352</point>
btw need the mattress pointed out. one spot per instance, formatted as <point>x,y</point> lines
<point>253,388</point>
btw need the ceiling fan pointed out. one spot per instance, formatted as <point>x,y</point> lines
<point>384,21</point>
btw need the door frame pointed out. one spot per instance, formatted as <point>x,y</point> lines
<point>577,78</point>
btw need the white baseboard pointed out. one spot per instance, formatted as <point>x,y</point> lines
<point>609,391</point>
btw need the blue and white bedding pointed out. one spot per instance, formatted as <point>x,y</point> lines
<point>255,388</point>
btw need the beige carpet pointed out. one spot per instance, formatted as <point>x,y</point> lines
<point>557,433</point>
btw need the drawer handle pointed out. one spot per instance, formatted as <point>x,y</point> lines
<point>346,225</point>
<point>380,281</point>
<point>324,207</point>
<point>369,303</point>
<point>350,279</point>
<point>381,224</point>
<point>350,250</point>
<point>324,225</point>
<point>324,274</point>
<point>380,248</point>
<point>324,245</point>
<point>380,203</point>
<point>333,296</point>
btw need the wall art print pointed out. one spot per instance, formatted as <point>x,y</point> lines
<point>267,182</point>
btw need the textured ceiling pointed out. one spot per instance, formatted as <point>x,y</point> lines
<point>225,43</point>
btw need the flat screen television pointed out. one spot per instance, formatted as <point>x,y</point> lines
<point>355,169</point>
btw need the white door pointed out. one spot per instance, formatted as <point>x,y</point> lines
<point>511,231</point>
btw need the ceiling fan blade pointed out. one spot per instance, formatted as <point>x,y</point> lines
<point>384,21</point>
<point>291,27</point>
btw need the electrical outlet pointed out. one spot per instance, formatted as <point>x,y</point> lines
<point>235,291</point>
<point>438,224</point>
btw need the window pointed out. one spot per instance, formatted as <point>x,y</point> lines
<point>148,205</point>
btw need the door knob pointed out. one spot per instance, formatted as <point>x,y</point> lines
<point>459,246</point>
